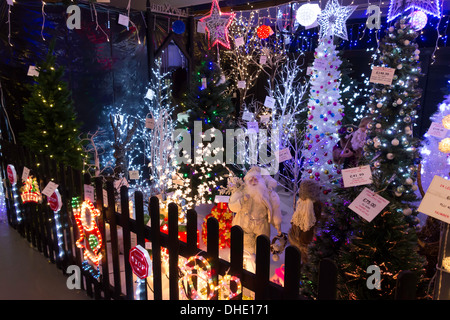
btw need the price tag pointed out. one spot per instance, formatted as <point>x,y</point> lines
<point>269,102</point>
<point>32,71</point>
<point>263,60</point>
<point>25,173</point>
<point>382,75</point>
<point>283,155</point>
<point>265,118</point>
<point>320,64</point>
<point>89,192</point>
<point>437,130</point>
<point>133,174</point>
<point>49,189</point>
<point>368,204</point>
<point>436,202</point>
<point>309,71</point>
<point>247,116</point>
<point>201,27</point>
<point>10,2</point>
<point>241,84</point>
<point>124,20</point>
<point>218,199</point>
<point>239,41</point>
<point>253,127</point>
<point>357,176</point>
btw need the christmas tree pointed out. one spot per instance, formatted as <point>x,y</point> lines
<point>389,241</point>
<point>209,113</point>
<point>51,127</point>
<point>324,115</point>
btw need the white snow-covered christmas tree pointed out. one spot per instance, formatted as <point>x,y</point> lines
<point>324,116</point>
<point>435,151</point>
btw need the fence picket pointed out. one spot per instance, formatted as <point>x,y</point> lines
<point>262,267</point>
<point>126,236</point>
<point>212,249</point>
<point>173,249</point>
<point>140,235</point>
<point>111,216</point>
<point>156,247</point>
<point>327,280</point>
<point>292,273</point>
<point>236,256</point>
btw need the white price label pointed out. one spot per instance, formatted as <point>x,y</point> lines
<point>382,75</point>
<point>263,60</point>
<point>269,102</point>
<point>239,41</point>
<point>149,123</point>
<point>252,127</point>
<point>436,202</point>
<point>218,199</point>
<point>437,130</point>
<point>25,173</point>
<point>201,27</point>
<point>89,193</point>
<point>32,71</point>
<point>353,177</point>
<point>133,174</point>
<point>265,118</point>
<point>124,20</point>
<point>105,198</point>
<point>368,204</point>
<point>49,189</point>
<point>241,84</point>
<point>283,155</point>
<point>247,116</point>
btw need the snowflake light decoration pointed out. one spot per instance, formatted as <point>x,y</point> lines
<point>333,18</point>
<point>217,24</point>
<point>397,7</point>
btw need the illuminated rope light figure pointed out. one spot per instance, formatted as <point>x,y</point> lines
<point>30,191</point>
<point>90,238</point>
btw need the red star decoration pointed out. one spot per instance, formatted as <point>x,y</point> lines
<point>216,24</point>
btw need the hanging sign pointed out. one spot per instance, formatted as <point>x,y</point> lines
<point>283,155</point>
<point>269,102</point>
<point>382,75</point>
<point>25,173</point>
<point>89,193</point>
<point>353,177</point>
<point>437,130</point>
<point>49,189</point>
<point>436,202</point>
<point>368,204</point>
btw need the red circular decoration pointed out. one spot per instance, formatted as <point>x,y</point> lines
<point>264,31</point>
<point>54,201</point>
<point>140,262</point>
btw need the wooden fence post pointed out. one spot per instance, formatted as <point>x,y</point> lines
<point>292,273</point>
<point>327,280</point>
<point>140,237</point>
<point>212,248</point>
<point>236,255</point>
<point>406,286</point>
<point>173,248</point>
<point>156,247</point>
<point>262,267</point>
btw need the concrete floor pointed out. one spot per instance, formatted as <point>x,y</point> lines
<point>25,274</point>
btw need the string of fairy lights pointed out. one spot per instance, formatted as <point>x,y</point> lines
<point>283,20</point>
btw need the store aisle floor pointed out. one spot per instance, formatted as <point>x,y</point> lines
<point>25,274</point>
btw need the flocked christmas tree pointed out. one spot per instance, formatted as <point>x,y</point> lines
<point>389,241</point>
<point>324,116</point>
<point>51,127</point>
<point>210,110</point>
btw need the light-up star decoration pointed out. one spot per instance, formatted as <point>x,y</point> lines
<point>397,7</point>
<point>333,18</point>
<point>217,24</point>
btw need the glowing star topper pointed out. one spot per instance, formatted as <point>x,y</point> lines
<point>333,18</point>
<point>217,24</point>
<point>397,7</point>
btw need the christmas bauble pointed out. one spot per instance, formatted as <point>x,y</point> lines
<point>390,156</point>
<point>395,142</point>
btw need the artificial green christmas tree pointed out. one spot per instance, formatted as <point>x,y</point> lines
<point>51,127</point>
<point>389,241</point>
<point>209,109</point>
